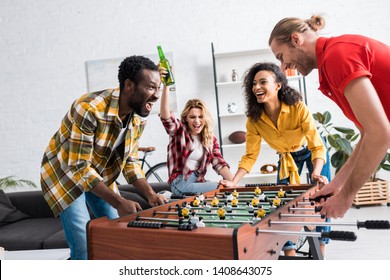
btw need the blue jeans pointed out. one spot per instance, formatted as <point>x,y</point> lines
<point>74,220</point>
<point>180,186</point>
<point>301,157</point>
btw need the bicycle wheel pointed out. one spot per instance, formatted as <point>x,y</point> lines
<point>157,173</point>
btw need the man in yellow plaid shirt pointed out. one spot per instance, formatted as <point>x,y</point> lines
<point>97,140</point>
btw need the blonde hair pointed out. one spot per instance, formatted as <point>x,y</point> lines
<point>284,28</point>
<point>206,133</point>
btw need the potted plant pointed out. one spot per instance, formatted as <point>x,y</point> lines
<point>341,140</point>
<point>10,181</point>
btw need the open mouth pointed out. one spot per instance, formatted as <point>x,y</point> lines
<point>259,94</point>
<point>149,105</point>
<point>197,127</point>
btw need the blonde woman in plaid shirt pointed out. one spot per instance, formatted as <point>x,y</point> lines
<point>97,140</point>
<point>192,147</point>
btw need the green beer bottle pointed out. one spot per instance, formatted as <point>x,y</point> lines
<point>168,80</point>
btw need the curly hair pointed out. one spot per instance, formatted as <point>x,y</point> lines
<point>286,93</point>
<point>285,27</point>
<point>206,133</point>
<point>131,68</point>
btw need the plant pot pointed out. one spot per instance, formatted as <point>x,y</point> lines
<point>373,193</point>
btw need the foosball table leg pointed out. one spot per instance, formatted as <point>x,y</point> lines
<point>314,247</point>
<point>314,253</point>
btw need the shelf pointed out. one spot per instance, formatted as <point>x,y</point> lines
<point>263,143</point>
<point>242,53</point>
<point>227,146</point>
<point>239,83</point>
<point>257,174</point>
<point>226,84</point>
<point>232,115</point>
<point>294,78</point>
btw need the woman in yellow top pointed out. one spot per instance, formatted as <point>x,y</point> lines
<point>277,114</point>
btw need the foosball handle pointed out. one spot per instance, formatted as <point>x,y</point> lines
<point>148,224</point>
<point>374,224</point>
<point>145,224</point>
<point>178,196</point>
<point>339,235</point>
<point>318,198</point>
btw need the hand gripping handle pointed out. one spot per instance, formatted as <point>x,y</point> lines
<point>339,235</point>
<point>318,198</point>
<point>374,224</point>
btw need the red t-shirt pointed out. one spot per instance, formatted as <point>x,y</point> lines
<point>347,57</point>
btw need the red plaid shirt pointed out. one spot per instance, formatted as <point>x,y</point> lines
<point>181,146</point>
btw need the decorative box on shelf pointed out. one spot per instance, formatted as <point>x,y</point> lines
<point>373,193</point>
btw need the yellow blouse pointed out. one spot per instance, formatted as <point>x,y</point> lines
<point>295,127</point>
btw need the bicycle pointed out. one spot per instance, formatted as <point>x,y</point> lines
<point>157,173</point>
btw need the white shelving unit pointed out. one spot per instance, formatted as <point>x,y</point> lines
<point>228,91</point>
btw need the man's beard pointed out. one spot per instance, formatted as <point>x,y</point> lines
<point>306,64</point>
<point>138,108</point>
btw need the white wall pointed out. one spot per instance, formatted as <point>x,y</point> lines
<point>44,45</point>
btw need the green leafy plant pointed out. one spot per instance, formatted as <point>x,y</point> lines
<point>11,182</point>
<point>342,140</point>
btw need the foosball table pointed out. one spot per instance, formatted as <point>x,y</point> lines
<point>242,223</point>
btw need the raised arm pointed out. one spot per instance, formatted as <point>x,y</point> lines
<point>164,105</point>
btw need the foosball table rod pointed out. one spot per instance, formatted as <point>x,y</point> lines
<point>180,221</point>
<point>240,206</point>
<point>369,224</point>
<point>216,208</point>
<point>334,235</point>
<point>316,209</point>
<point>248,195</point>
<point>302,203</point>
<point>204,214</point>
<point>250,199</point>
<point>301,216</point>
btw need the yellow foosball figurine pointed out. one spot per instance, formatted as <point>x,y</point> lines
<point>276,202</point>
<point>255,201</point>
<point>281,193</point>
<point>196,202</point>
<point>261,212</point>
<point>235,193</point>
<point>234,202</point>
<point>185,212</point>
<point>215,202</point>
<point>221,213</point>
<point>257,191</point>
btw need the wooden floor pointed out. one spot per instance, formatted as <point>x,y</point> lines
<point>370,244</point>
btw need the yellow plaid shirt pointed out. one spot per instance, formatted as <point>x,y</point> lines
<point>296,127</point>
<point>81,153</point>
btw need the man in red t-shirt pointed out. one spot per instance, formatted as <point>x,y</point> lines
<point>354,72</point>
